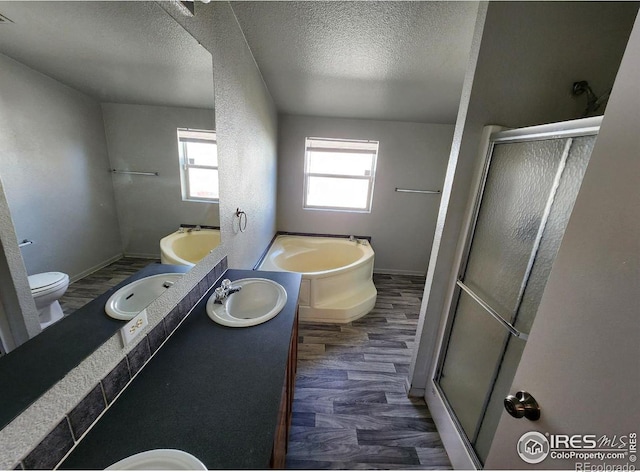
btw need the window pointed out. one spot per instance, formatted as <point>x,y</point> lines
<point>339,174</point>
<point>198,153</point>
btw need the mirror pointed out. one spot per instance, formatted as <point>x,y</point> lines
<point>88,87</point>
<point>120,79</point>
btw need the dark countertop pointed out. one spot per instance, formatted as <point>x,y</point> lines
<point>211,391</point>
<point>30,370</point>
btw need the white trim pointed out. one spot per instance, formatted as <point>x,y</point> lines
<point>453,442</point>
<point>188,133</point>
<point>95,268</point>
<point>413,391</point>
<point>563,129</point>
<point>185,136</point>
<point>333,145</point>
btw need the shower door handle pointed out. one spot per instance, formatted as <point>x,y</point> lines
<point>522,404</point>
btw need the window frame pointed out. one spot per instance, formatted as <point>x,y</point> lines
<point>342,150</point>
<point>188,135</point>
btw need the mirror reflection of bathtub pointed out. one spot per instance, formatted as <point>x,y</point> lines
<point>337,275</point>
<point>188,246</point>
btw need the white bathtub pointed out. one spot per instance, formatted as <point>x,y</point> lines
<point>188,248</point>
<point>337,275</point>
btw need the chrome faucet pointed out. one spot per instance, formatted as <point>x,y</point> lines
<point>196,228</point>
<point>353,239</point>
<point>224,291</point>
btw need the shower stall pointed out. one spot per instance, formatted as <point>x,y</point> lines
<point>529,184</point>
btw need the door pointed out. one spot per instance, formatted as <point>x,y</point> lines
<point>582,360</point>
<point>530,185</point>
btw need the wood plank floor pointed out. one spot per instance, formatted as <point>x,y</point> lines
<point>350,407</point>
<point>84,290</point>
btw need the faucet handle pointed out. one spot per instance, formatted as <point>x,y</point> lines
<point>220,294</point>
<point>226,283</point>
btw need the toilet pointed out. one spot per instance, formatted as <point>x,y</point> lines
<point>46,289</point>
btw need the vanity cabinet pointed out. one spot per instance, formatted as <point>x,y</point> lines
<point>221,394</point>
<point>278,455</point>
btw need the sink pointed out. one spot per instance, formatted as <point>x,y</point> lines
<point>259,300</point>
<point>131,299</point>
<point>159,459</point>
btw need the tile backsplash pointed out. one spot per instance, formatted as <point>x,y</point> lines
<point>55,446</point>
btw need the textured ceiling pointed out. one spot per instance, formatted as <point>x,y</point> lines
<point>124,52</point>
<point>389,60</point>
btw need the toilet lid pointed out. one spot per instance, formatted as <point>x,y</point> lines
<point>46,279</point>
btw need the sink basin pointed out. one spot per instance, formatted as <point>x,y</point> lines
<point>136,296</point>
<point>159,459</point>
<point>258,301</point>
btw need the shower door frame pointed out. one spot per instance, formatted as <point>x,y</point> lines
<point>458,446</point>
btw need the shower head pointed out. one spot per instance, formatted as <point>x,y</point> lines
<point>593,102</point>
<point>581,87</point>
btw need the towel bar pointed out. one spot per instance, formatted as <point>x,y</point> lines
<point>116,171</point>
<point>410,190</point>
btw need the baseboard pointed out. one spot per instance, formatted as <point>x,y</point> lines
<point>415,392</point>
<point>264,253</point>
<point>142,256</point>
<point>398,272</point>
<point>95,268</point>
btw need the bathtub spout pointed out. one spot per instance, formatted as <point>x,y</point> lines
<point>353,239</point>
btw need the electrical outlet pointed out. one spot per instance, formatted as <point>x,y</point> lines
<point>134,327</point>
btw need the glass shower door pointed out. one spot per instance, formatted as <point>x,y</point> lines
<point>529,190</point>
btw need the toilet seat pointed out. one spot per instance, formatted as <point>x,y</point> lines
<point>46,282</point>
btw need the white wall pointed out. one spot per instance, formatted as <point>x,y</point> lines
<point>410,155</point>
<point>19,317</point>
<point>247,135</point>
<point>54,167</point>
<point>144,138</point>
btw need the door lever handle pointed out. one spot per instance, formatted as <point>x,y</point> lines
<point>522,404</point>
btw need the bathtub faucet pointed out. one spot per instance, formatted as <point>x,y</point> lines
<point>353,239</point>
<point>224,291</point>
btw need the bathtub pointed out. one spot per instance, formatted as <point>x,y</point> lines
<point>188,248</point>
<point>337,275</point>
